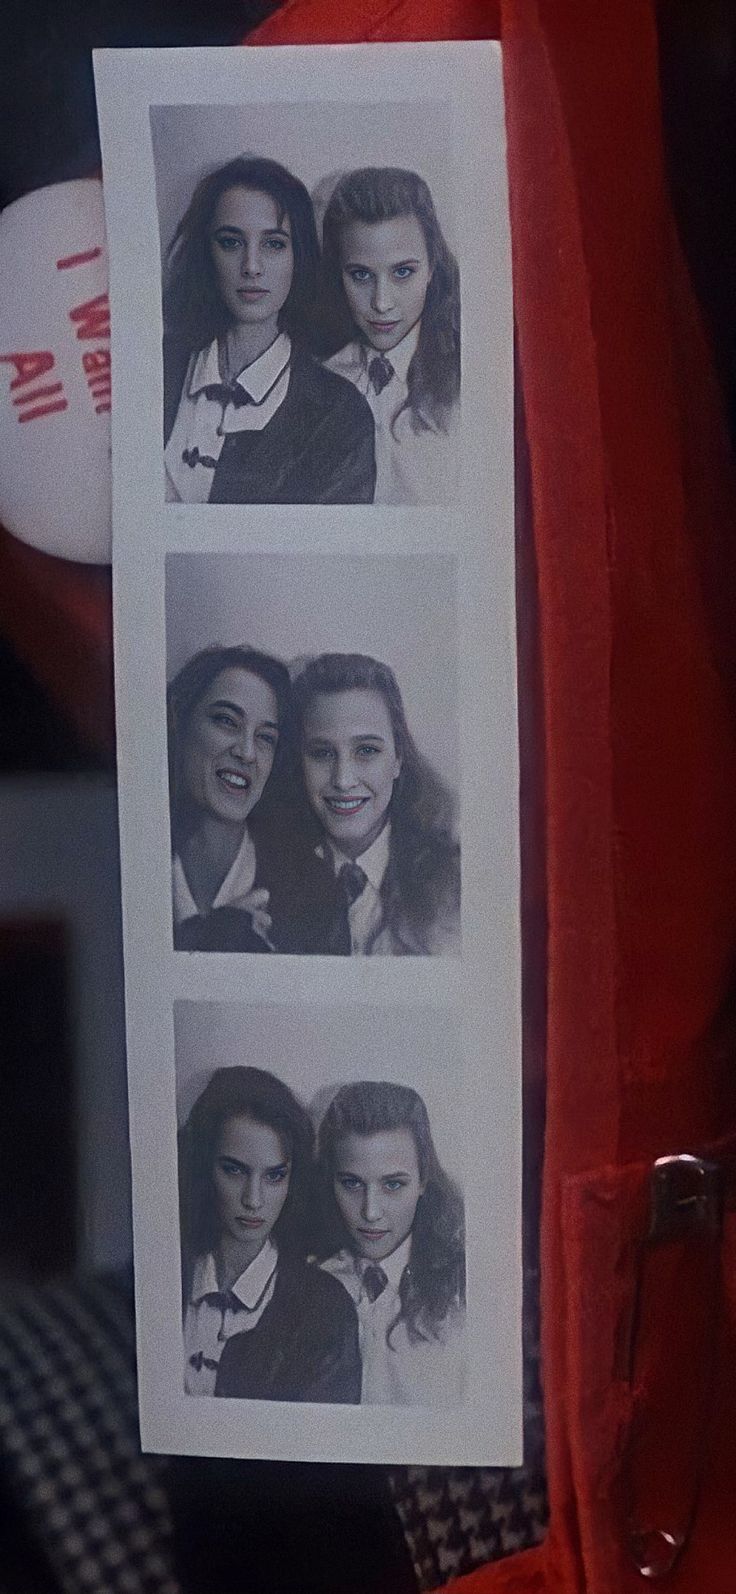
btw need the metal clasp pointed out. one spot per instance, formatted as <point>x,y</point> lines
<point>686,1194</point>
<point>687,1197</point>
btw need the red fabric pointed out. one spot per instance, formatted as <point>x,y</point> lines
<point>633,518</point>
<point>633,525</point>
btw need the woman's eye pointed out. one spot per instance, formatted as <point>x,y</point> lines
<point>347,1182</point>
<point>359,274</point>
<point>227,244</point>
<point>393,1185</point>
<point>224,719</point>
<point>277,1175</point>
<point>277,244</point>
<point>228,1167</point>
<point>268,739</point>
<point>367,750</point>
<point>402,272</point>
<point>319,754</point>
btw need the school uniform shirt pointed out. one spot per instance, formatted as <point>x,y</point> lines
<point>239,879</point>
<point>411,467</point>
<point>400,1373</point>
<point>283,431</point>
<point>214,1315</point>
<point>365,913</point>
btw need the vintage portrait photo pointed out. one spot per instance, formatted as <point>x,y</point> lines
<point>313,754</point>
<point>322,1221</point>
<point>310,303</point>
<point>318,747</point>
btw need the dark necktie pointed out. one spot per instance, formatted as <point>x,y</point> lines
<point>374,1281</point>
<point>351,882</point>
<point>380,372</point>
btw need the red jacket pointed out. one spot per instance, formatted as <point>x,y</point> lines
<point>628,553</point>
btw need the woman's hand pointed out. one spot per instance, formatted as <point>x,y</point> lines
<point>255,902</point>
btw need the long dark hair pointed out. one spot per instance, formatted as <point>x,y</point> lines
<point>381,193</point>
<point>422,881</point>
<point>193,309</point>
<point>434,1281</point>
<point>242,1093</point>
<point>186,690</point>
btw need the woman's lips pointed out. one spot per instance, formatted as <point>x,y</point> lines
<point>234,779</point>
<point>251,1223</point>
<point>346,805</point>
<point>252,293</point>
<point>374,1234</point>
<point>383,326</point>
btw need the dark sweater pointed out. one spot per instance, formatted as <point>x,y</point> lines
<point>302,901</point>
<point>319,447</point>
<point>305,1346</point>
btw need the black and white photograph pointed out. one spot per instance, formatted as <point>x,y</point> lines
<point>317,746</point>
<point>313,755</point>
<point>310,304</point>
<point>322,1235</point>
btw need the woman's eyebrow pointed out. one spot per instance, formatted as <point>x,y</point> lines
<point>266,232</point>
<point>224,702</point>
<point>401,1173</point>
<point>360,265</point>
<point>234,708</point>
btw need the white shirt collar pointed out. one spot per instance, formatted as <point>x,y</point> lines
<point>237,882</point>
<point>248,1288</point>
<point>256,380</point>
<point>393,1265</point>
<point>401,357</point>
<point>373,862</point>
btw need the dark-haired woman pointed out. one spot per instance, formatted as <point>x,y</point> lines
<point>226,707</point>
<point>402,1256</point>
<point>241,879</point>
<point>381,819</point>
<point>259,1322</point>
<point>249,416</point>
<point>391,289</point>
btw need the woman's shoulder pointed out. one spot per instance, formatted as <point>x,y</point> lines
<point>348,362</point>
<point>426,918</point>
<point>315,1293</point>
<point>177,354</point>
<point>335,392</point>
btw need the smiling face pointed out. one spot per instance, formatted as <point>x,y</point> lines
<point>377,1186</point>
<point>251,1176</point>
<point>350,764</point>
<point>229,745</point>
<point>252,256</point>
<point>385,274</point>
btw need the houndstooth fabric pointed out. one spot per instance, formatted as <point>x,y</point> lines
<point>456,1519</point>
<point>69,1440</point>
<point>70,1450</point>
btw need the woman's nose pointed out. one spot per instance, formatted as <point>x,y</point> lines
<point>343,774</point>
<point>251,1196</point>
<point>382,298</point>
<point>371,1204</point>
<point>250,260</point>
<point>244,747</point>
